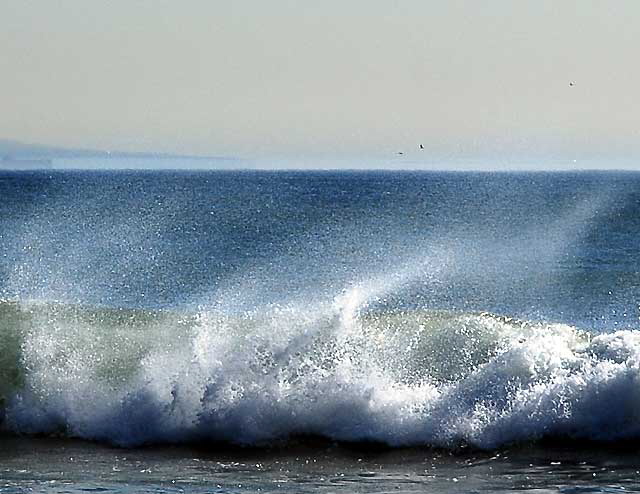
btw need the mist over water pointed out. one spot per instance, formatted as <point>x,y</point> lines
<point>406,308</point>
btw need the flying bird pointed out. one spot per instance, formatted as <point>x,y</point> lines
<point>421,146</point>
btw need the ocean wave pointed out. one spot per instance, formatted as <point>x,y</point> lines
<point>334,369</point>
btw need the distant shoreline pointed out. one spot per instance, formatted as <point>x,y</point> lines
<point>9,163</point>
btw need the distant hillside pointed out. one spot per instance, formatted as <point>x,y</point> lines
<point>11,149</point>
<point>21,150</point>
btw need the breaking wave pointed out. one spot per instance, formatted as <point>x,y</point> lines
<point>337,369</point>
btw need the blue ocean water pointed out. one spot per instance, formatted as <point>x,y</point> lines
<point>559,247</point>
<point>421,309</point>
<point>459,311</point>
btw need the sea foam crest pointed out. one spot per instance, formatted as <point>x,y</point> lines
<point>331,369</point>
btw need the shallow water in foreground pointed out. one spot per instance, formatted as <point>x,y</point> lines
<point>67,466</point>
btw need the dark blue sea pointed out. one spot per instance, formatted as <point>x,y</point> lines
<point>364,331</point>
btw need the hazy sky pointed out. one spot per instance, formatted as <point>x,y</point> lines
<point>469,80</point>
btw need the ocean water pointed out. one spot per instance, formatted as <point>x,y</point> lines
<point>239,331</point>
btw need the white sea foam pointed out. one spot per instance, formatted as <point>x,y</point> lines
<point>335,370</point>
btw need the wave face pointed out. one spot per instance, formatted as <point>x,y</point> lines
<point>403,378</point>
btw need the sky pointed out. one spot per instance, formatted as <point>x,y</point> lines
<point>506,81</point>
